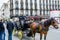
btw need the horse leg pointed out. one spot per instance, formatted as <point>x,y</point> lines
<point>40,35</point>
<point>33,35</point>
<point>45,34</point>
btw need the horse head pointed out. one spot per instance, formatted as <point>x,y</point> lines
<point>54,23</point>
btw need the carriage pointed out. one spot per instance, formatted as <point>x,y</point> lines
<point>31,25</point>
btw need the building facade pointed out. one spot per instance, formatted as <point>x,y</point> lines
<point>33,7</point>
<point>5,10</point>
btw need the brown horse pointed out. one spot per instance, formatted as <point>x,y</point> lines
<point>43,27</point>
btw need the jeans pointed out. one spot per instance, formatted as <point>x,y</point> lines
<point>0,35</point>
<point>3,35</point>
<point>10,34</point>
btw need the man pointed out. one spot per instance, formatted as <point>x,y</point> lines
<point>22,18</point>
<point>10,27</point>
<point>3,21</point>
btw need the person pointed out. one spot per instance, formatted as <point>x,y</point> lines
<point>22,19</point>
<point>18,29</point>
<point>40,18</point>
<point>15,28</point>
<point>2,30</point>
<point>10,27</point>
<point>3,21</point>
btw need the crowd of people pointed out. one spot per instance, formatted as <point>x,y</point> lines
<point>9,26</point>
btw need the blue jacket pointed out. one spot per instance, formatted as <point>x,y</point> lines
<point>2,26</point>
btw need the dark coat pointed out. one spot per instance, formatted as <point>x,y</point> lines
<point>15,25</point>
<point>2,26</point>
<point>10,25</point>
<point>22,17</point>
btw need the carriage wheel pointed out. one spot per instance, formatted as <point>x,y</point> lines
<point>14,31</point>
<point>20,34</point>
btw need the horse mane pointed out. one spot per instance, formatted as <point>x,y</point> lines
<point>47,22</point>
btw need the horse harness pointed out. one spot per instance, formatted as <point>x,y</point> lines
<point>43,26</point>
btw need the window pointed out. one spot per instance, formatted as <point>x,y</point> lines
<point>40,4</point>
<point>31,4</point>
<point>35,12</point>
<point>26,1</point>
<point>58,4</point>
<point>3,14</point>
<point>52,7</point>
<point>40,12</point>
<point>30,1</point>
<point>35,4</point>
<point>31,12</point>
<point>16,12</point>
<point>44,12</point>
<point>21,4</point>
<point>16,0</point>
<point>26,4</point>
<point>11,1</point>
<point>56,7</point>
<point>16,4</point>
<point>26,13</point>
<point>11,13</point>
<point>22,12</point>
<point>11,6</point>
<point>49,2</point>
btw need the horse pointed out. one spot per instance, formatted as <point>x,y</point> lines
<point>43,27</point>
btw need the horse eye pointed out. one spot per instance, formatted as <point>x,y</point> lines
<point>53,22</point>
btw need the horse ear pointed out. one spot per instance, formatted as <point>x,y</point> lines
<point>52,18</point>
